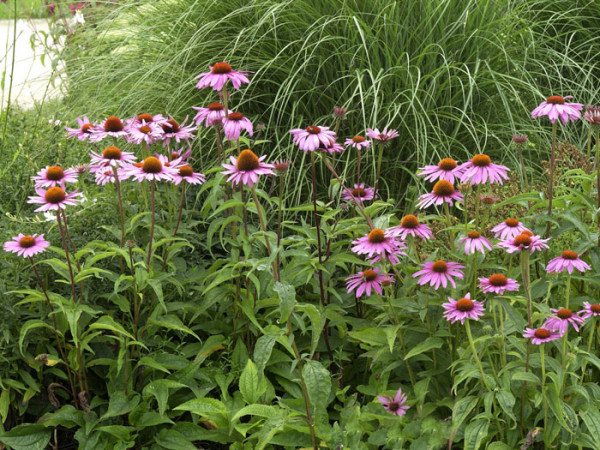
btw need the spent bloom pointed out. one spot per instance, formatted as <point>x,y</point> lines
<point>410,225</point>
<point>54,198</point>
<point>568,261</point>
<point>443,191</point>
<point>519,138</point>
<point>377,242</point>
<point>54,176</point>
<point>26,245</point>
<point>475,242</point>
<point>556,107</point>
<point>84,131</point>
<point>509,229</point>
<point>382,136</point>
<point>497,284</point>
<point>462,309</point>
<point>212,115</point>
<point>366,281</point>
<point>179,132</point>
<point>561,319</point>
<point>589,310</point>
<point>312,137</point>
<point>438,273</point>
<point>540,335</point>
<point>359,193</point>
<point>447,169</point>
<point>219,74</point>
<point>357,142</point>
<point>246,168</point>
<point>110,127</point>
<point>525,240</point>
<point>396,405</point>
<point>480,169</point>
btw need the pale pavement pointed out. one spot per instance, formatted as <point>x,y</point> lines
<point>31,77</point>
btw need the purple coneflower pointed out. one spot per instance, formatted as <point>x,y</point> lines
<point>364,281</point>
<point>589,310</point>
<point>556,107</point>
<point>561,320</point>
<point>104,175</point>
<point>110,127</point>
<point>186,173</point>
<point>27,246</point>
<point>509,229</point>
<point>568,260</point>
<point>360,193</point>
<point>540,335</point>
<point>447,169</point>
<point>218,76</point>
<point>438,273</point>
<point>481,170</point>
<point>54,198</point>
<point>410,225</point>
<point>84,131</point>
<point>246,168</point>
<point>157,119</point>
<point>54,176</point>
<point>396,405</point>
<point>312,137</point>
<point>179,132</point>
<point>336,147</point>
<point>592,114</point>
<point>498,284</point>
<point>357,142</point>
<point>382,136</point>
<point>443,191</point>
<point>212,115</point>
<point>462,309</point>
<point>151,169</point>
<point>148,132</point>
<point>281,166</point>
<point>111,156</point>
<point>377,242</point>
<point>475,242</point>
<point>525,240</point>
<point>234,123</point>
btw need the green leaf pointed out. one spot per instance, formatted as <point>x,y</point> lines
<point>173,440</point>
<point>462,408</point>
<point>159,389</point>
<point>205,407</point>
<point>67,416</point>
<point>27,327</point>
<point>249,387</point>
<point>262,351</point>
<point>108,323</point>
<point>287,299</point>
<point>318,383</point>
<point>591,418</point>
<point>172,322</point>
<point>371,336</point>
<point>265,411</point>
<point>506,401</point>
<point>525,376</point>
<point>317,323</point>
<point>475,433</point>
<point>27,437</point>
<point>119,404</point>
<point>427,344</point>
<point>391,333</point>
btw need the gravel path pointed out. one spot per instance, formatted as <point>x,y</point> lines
<point>31,77</point>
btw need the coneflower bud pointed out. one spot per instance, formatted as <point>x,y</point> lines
<point>260,127</point>
<point>464,187</point>
<point>281,166</point>
<point>519,138</point>
<point>339,112</point>
<point>130,243</point>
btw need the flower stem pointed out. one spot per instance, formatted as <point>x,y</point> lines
<point>152,188</point>
<point>542,354</point>
<point>449,222</point>
<point>357,167</point>
<point>279,214</point>
<point>264,230</point>
<point>589,347</point>
<point>118,186</point>
<point>598,178</point>
<point>64,242</point>
<point>378,172</point>
<point>472,344</point>
<point>176,225</point>
<point>551,179</point>
<point>523,171</point>
<point>55,325</point>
